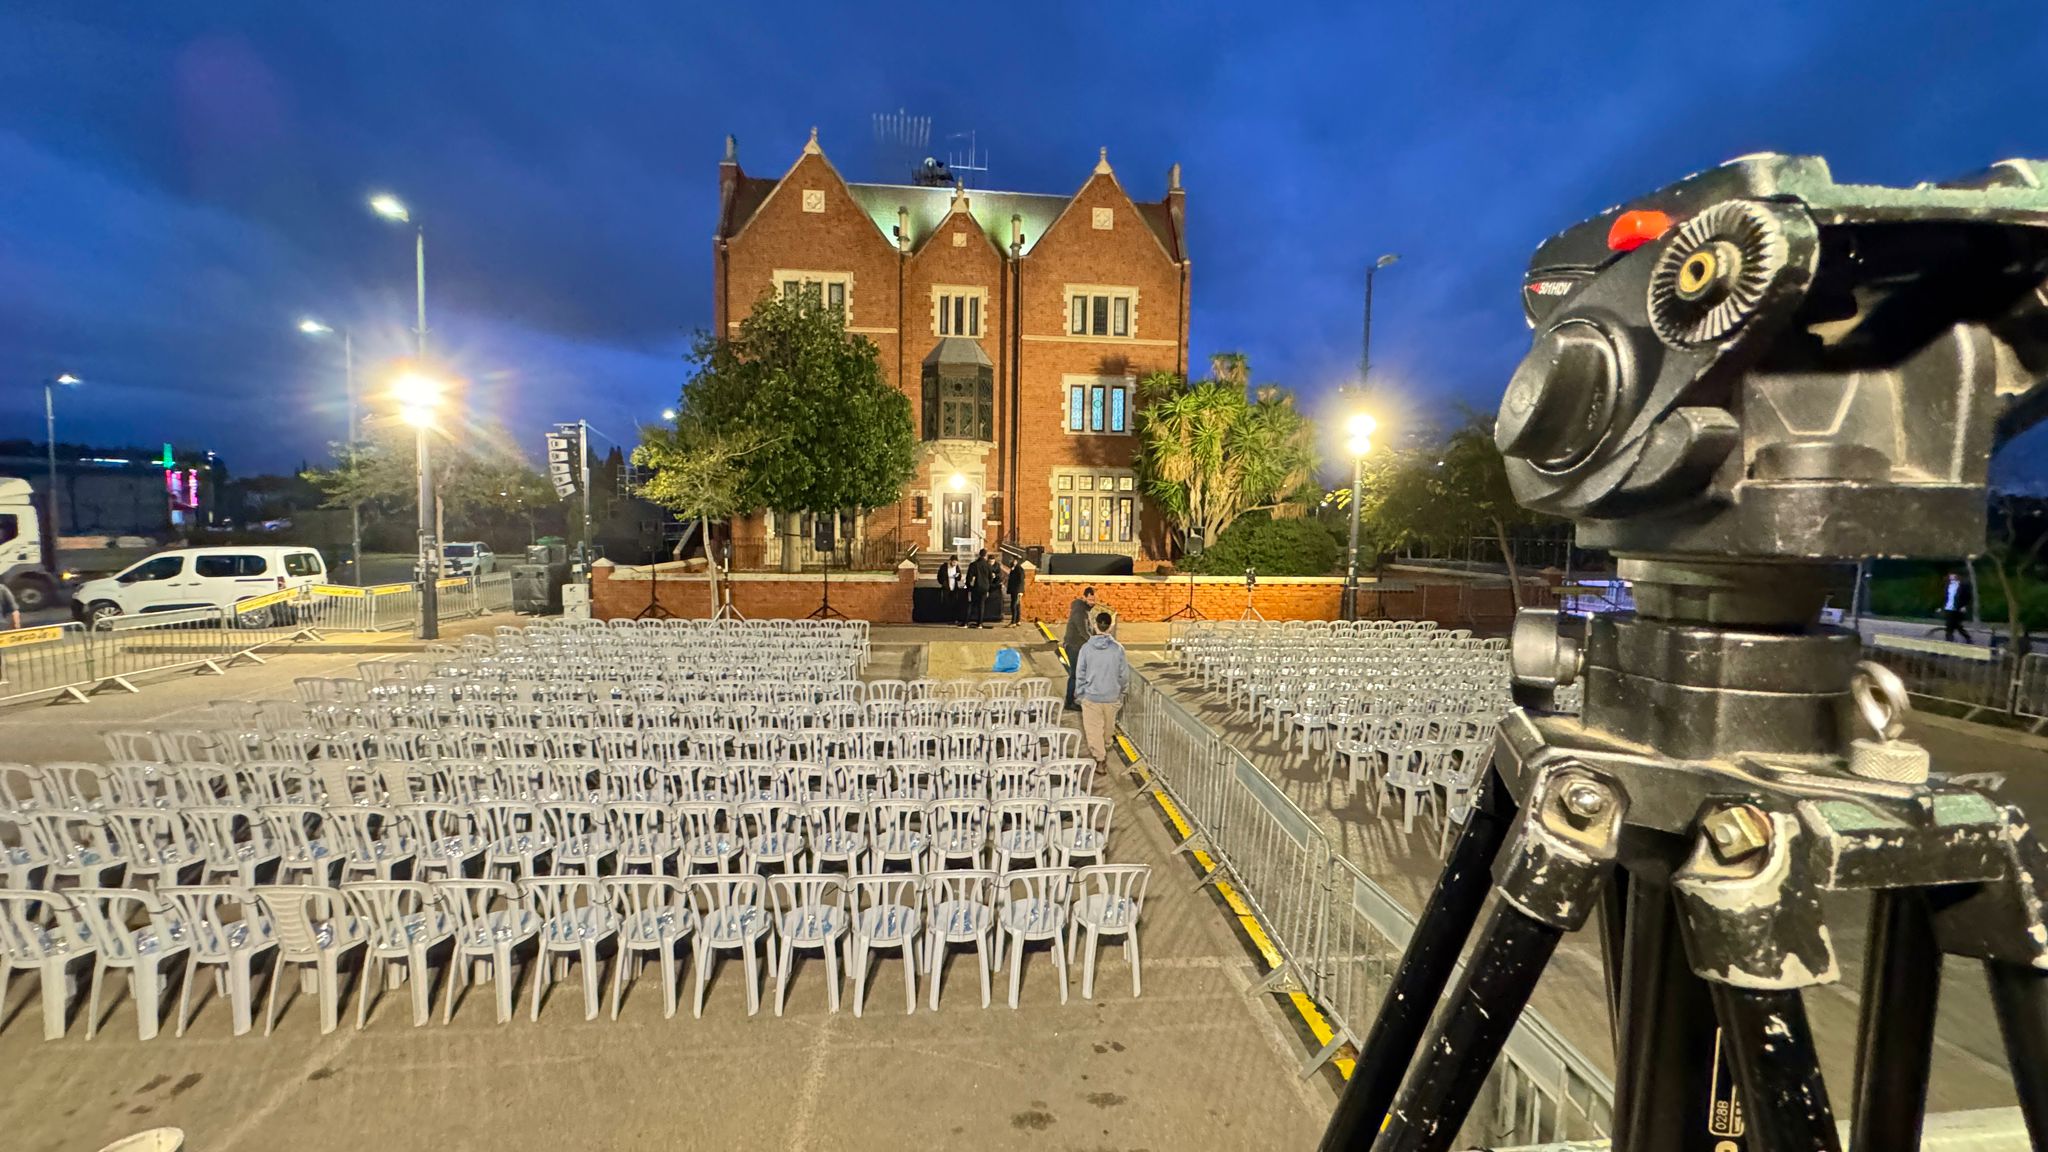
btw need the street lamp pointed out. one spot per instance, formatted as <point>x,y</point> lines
<point>1365,351</point>
<point>668,414</point>
<point>50,387</point>
<point>418,397</point>
<point>316,329</point>
<point>392,208</point>
<point>1360,428</point>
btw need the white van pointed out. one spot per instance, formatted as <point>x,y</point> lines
<point>468,558</point>
<point>197,578</point>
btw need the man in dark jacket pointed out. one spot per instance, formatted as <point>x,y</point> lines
<point>1014,585</point>
<point>949,590</point>
<point>1076,635</point>
<point>1955,608</point>
<point>979,582</point>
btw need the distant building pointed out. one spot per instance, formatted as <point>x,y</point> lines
<point>1018,323</point>
<point>121,491</point>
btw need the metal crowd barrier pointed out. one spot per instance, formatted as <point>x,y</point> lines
<point>1339,936</point>
<point>40,661</point>
<point>494,592</point>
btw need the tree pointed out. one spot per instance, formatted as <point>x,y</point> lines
<point>1213,450</point>
<point>2014,563</point>
<point>1300,546</point>
<point>481,478</point>
<point>829,433</point>
<point>696,475</point>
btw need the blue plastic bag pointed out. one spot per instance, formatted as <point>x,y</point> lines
<point>1007,660</point>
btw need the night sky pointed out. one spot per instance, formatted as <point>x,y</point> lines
<point>179,183</point>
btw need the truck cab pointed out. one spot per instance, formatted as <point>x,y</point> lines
<point>23,567</point>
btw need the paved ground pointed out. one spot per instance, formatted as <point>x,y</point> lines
<point>1970,1068</point>
<point>1195,1063</point>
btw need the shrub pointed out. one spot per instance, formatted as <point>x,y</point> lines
<point>1291,547</point>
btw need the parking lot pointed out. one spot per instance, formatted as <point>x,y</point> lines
<point>1197,1062</point>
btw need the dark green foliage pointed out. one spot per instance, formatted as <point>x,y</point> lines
<point>1297,546</point>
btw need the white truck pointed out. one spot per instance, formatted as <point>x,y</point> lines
<point>23,567</point>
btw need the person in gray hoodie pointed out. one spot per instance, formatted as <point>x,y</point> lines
<point>1101,673</point>
<point>1075,636</point>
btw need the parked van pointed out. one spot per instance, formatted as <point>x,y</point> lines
<point>198,578</point>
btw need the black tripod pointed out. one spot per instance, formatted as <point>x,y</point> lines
<point>825,610</point>
<point>654,610</point>
<point>1187,611</point>
<point>1734,763</point>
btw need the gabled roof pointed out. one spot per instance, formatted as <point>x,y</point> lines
<point>929,208</point>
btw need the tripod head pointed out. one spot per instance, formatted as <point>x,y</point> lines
<point>1757,362</point>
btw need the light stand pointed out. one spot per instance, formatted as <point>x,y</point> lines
<point>825,610</point>
<point>725,611</point>
<point>1187,611</point>
<point>1251,584</point>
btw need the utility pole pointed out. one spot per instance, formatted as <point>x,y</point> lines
<point>583,443</point>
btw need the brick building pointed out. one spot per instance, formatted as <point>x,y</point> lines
<point>1017,323</point>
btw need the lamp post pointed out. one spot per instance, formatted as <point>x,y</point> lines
<point>50,433</point>
<point>1365,349</point>
<point>392,208</point>
<point>1361,427</point>
<point>418,396</point>
<point>315,328</point>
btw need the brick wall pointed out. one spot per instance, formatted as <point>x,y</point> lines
<point>1149,598</point>
<point>860,596</point>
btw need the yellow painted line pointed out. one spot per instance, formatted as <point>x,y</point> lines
<point>1310,1014</point>
<point>1057,647</point>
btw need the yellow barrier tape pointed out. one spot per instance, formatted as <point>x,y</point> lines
<point>388,589</point>
<point>25,636</point>
<point>266,600</point>
<point>450,581</point>
<point>1311,1015</point>
<point>337,590</point>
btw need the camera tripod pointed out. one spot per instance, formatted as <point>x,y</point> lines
<point>1737,383</point>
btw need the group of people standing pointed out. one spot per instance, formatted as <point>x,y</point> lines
<point>967,590</point>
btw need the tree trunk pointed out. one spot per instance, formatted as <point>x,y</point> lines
<point>1507,555</point>
<point>792,541</point>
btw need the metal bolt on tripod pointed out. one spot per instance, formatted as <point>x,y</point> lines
<point>1737,384</point>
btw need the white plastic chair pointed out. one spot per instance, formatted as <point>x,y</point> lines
<point>82,848</point>
<point>228,945</point>
<point>958,831</point>
<point>885,915</point>
<point>32,938</point>
<point>1109,899</point>
<point>370,840</point>
<point>810,912</point>
<point>1080,829</point>
<point>654,916</point>
<point>238,842</point>
<point>959,908</point>
<point>834,829</point>
<point>575,918</point>
<point>707,837</point>
<point>104,916</point>
<point>644,835</point>
<point>1020,830</point>
<point>314,928</point>
<point>303,852</point>
<point>1032,905</point>
<point>895,830</point>
<point>514,837</point>
<point>732,913</point>
<point>491,919</point>
<point>405,920</point>
<point>446,837</point>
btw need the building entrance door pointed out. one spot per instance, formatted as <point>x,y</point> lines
<point>958,520</point>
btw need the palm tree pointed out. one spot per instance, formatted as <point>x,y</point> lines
<point>1209,451</point>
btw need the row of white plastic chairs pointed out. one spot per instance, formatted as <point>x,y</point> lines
<point>702,680</point>
<point>327,843</point>
<point>1038,744</point>
<point>406,926</point>
<point>737,715</point>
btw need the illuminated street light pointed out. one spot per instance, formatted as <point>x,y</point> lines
<point>668,413</point>
<point>1361,427</point>
<point>66,380</point>
<point>391,208</point>
<point>418,396</point>
<point>316,329</point>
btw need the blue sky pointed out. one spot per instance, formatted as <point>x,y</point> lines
<point>179,183</point>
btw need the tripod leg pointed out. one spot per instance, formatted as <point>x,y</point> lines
<point>1784,1102</point>
<point>1895,1039</point>
<point>1613,937</point>
<point>1664,1071</point>
<point>2019,995</point>
<point>1426,966</point>
<point>1510,956</point>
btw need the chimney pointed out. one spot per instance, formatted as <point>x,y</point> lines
<point>902,228</point>
<point>1176,210</point>
<point>728,181</point>
<point>1016,235</point>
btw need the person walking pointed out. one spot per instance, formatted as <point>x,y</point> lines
<point>1013,585</point>
<point>1955,606</point>
<point>979,582</point>
<point>10,607</point>
<point>1100,676</point>
<point>1076,635</point>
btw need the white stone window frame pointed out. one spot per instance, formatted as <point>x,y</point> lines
<point>941,292</point>
<point>1072,380</point>
<point>782,276</point>
<point>1112,495</point>
<point>1124,292</point>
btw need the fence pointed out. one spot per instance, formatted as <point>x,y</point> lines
<point>73,662</point>
<point>1337,936</point>
<point>1975,679</point>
